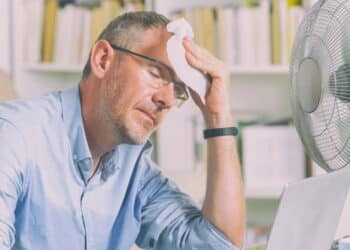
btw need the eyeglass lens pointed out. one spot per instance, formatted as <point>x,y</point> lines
<point>162,76</point>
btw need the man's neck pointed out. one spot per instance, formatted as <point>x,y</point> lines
<point>98,134</point>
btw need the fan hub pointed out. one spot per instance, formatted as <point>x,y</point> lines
<point>309,81</point>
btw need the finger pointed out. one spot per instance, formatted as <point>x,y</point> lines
<point>209,62</point>
<point>196,50</point>
<point>198,64</point>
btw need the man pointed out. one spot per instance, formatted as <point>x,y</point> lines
<point>75,168</point>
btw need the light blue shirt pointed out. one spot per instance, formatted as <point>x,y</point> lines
<point>46,202</point>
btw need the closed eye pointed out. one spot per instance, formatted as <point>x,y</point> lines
<point>155,72</point>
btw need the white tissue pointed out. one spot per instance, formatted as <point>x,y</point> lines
<point>193,78</point>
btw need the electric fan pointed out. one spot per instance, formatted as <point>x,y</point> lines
<point>320,83</point>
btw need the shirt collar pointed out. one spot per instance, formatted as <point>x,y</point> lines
<point>73,123</point>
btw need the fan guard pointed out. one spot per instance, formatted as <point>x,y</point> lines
<point>320,83</point>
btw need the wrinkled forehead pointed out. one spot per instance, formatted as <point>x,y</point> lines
<point>153,44</point>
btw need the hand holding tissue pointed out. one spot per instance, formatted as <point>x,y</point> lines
<point>194,79</point>
<point>207,77</point>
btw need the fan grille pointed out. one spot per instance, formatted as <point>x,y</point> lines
<point>320,83</point>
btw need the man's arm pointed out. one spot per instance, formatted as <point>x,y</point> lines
<point>170,219</point>
<point>11,151</point>
<point>224,204</point>
<point>224,201</point>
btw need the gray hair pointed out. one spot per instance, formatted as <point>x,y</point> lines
<point>125,30</point>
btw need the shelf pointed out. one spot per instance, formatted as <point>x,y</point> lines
<point>260,70</point>
<point>55,68</point>
<point>235,69</point>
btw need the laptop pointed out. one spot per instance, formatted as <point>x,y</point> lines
<point>309,211</point>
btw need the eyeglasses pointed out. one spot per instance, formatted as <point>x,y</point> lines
<point>161,75</point>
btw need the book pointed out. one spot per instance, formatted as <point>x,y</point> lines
<point>85,36</point>
<point>295,14</point>
<point>227,34</point>
<point>33,30</point>
<point>272,157</point>
<point>198,28</point>
<point>50,14</point>
<point>207,22</point>
<point>60,37</point>
<point>282,5</point>
<point>102,15</point>
<point>97,23</point>
<point>68,35</point>
<point>263,31</point>
<point>111,9</point>
<point>246,35</point>
<point>77,15</point>
<point>275,32</point>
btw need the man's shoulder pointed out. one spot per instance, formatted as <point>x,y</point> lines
<point>31,115</point>
<point>31,112</point>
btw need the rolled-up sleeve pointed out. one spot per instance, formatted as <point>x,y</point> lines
<point>11,180</point>
<point>171,220</point>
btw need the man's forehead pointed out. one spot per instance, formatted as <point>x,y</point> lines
<point>153,43</point>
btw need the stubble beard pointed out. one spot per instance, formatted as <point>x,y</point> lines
<point>125,133</point>
<point>130,135</point>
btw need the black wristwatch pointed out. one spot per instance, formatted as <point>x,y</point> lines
<point>213,132</point>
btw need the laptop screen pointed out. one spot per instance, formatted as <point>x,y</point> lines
<point>309,212</point>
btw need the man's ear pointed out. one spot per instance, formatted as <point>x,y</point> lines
<point>101,58</point>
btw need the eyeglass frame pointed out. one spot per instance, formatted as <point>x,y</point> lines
<point>172,73</point>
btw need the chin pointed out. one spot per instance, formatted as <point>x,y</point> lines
<point>137,134</point>
<point>136,139</point>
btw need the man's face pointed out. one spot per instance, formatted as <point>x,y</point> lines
<point>130,102</point>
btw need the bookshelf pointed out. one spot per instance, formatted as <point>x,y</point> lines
<point>36,76</point>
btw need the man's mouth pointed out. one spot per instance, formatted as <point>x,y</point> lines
<point>149,115</point>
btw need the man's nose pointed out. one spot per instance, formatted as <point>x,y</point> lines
<point>164,96</point>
